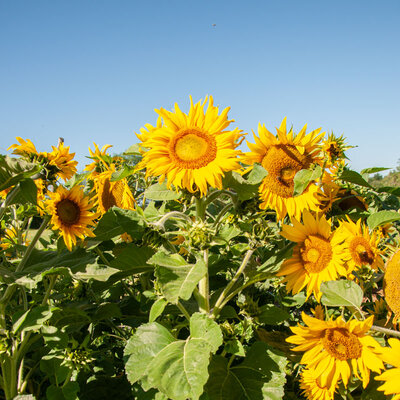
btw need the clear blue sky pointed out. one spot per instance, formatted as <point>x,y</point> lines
<point>95,70</point>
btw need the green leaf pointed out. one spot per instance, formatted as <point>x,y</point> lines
<point>389,189</point>
<point>177,278</point>
<point>177,368</point>
<point>27,192</point>
<point>68,391</point>
<point>14,170</point>
<point>134,149</point>
<point>341,293</point>
<point>354,177</point>
<point>381,218</point>
<point>373,170</point>
<point>244,190</point>
<point>157,309</point>
<point>96,272</point>
<point>260,376</point>
<point>116,221</point>
<point>234,347</point>
<point>304,177</point>
<point>134,259</point>
<point>33,319</point>
<point>122,173</point>
<point>272,315</point>
<point>159,191</point>
<point>257,174</point>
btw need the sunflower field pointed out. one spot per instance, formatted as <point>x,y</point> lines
<point>186,268</point>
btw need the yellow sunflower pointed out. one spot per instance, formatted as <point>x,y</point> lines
<point>312,389</point>
<point>391,286</point>
<point>70,214</point>
<point>98,164</point>
<point>283,157</point>
<point>62,159</point>
<point>336,349</point>
<point>361,247</point>
<point>194,150</point>
<point>316,258</point>
<point>25,148</point>
<point>109,194</point>
<point>334,149</point>
<point>391,377</point>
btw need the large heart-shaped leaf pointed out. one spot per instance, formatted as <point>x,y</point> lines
<point>177,368</point>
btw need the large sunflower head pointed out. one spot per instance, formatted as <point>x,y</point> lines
<point>112,193</point>
<point>391,286</point>
<point>99,159</point>
<point>391,377</point>
<point>312,389</point>
<point>316,258</point>
<point>361,247</point>
<point>335,350</point>
<point>70,214</point>
<point>62,159</point>
<point>283,156</point>
<point>194,150</point>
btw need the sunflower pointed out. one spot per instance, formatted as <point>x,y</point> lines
<point>336,349</point>
<point>312,389</point>
<point>25,148</point>
<point>98,156</point>
<point>70,214</point>
<point>194,150</point>
<point>361,247</point>
<point>391,377</point>
<point>109,193</point>
<point>62,159</point>
<point>334,148</point>
<point>283,157</point>
<point>391,285</point>
<point>316,258</point>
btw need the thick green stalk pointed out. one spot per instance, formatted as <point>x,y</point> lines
<point>220,302</point>
<point>204,288</point>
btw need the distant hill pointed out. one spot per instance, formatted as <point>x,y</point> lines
<point>391,179</point>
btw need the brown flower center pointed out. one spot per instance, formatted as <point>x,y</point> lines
<point>341,344</point>
<point>282,163</point>
<point>361,251</point>
<point>192,149</point>
<point>316,253</point>
<point>68,211</point>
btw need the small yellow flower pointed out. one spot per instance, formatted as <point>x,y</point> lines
<point>62,159</point>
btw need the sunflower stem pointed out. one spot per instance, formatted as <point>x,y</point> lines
<point>386,331</point>
<point>204,288</point>
<point>11,289</point>
<point>183,310</point>
<point>220,302</point>
<point>13,193</point>
<point>172,214</point>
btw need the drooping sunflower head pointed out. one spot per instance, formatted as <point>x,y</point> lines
<point>70,214</point>
<point>100,159</point>
<point>311,387</point>
<point>361,247</point>
<point>316,258</point>
<point>194,150</point>
<point>391,286</point>
<point>335,350</point>
<point>283,156</point>
<point>110,193</point>
<point>391,377</point>
<point>63,160</point>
